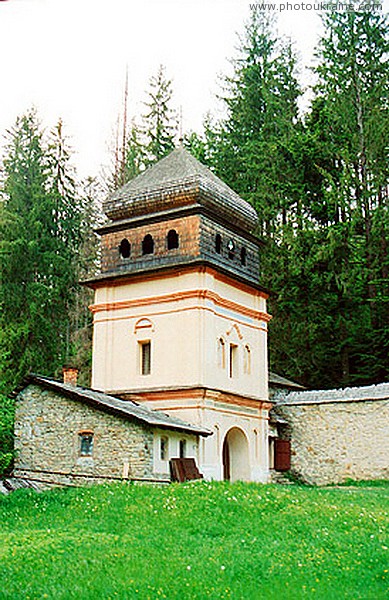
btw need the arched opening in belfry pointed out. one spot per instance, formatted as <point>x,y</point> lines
<point>236,466</point>
<point>172,240</point>
<point>125,248</point>
<point>148,244</point>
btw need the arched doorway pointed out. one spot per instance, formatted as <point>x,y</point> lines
<point>236,465</point>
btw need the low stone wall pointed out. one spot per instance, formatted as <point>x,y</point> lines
<point>332,442</point>
<point>47,441</point>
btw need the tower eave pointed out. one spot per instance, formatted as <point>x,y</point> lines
<point>120,277</point>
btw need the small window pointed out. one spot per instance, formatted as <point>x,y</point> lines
<point>247,360</point>
<point>218,243</point>
<point>125,248</point>
<point>172,240</point>
<point>145,358</point>
<point>86,444</point>
<point>233,362</point>
<point>243,257</point>
<point>164,448</point>
<point>182,448</point>
<point>148,245</point>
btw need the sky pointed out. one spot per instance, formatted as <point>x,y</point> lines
<point>68,59</point>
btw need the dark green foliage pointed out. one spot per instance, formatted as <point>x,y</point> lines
<point>45,246</point>
<point>320,188</point>
<point>40,235</point>
<point>348,131</point>
<point>254,148</point>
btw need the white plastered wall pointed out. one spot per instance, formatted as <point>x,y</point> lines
<point>161,467</point>
<point>185,326</point>
<point>184,316</point>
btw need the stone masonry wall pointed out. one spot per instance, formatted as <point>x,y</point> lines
<point>332,442</point>
<point>47,427</point>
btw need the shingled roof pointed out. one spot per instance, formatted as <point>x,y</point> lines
<point>178,180</point>
<point>369,393</point>
<point>127,409</point>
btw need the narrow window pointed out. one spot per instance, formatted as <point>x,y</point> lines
<point>86,444</point>
<point>148,245</point>
<point>221,353</point>
<point>233,360</point>
<point>243,257</point>
<point>182,448</point>
<point>172,240</point>
<point>247,360</point>
<point>125,248</point>
<point>164,448</point>
<point>218,243</point>
<point>145,358</point>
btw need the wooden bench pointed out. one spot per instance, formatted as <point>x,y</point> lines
<point>184,469</point>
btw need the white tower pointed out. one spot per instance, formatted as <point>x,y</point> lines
<point>180,319</point>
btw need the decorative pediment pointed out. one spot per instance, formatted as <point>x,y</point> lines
<point>235,332</point>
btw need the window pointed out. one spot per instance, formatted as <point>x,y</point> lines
<point>86,443</point>
<point>243,257</point>
<point>233,362</point>
<point>182,448</point>
<point>148,245</point>
<point>172,240</point>
<point>145,358</point>
<point>164,448</point>
<point>218,243</point>
<point>247,360</point>
<point>125,248</point>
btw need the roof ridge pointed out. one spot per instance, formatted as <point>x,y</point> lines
<point>124,408</point>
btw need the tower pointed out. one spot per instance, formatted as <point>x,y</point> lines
<point>179,316</point>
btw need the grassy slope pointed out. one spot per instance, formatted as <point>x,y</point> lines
<point>196,540</point>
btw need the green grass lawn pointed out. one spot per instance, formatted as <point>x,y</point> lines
<point>199,540</point>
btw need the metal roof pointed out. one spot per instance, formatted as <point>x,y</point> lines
<point>128,409</point>
<point>176,180</point>
<point>351,394</point>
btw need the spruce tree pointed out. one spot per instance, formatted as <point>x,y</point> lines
<point>349,123</point>
<point>159,123</point>
<point>253,148</point>
<point>39,241</point>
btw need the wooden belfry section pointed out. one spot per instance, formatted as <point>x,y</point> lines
<point>184,469</point>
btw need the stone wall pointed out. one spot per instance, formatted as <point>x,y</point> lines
<point>332,442</point>
<point>47,440</point>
